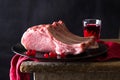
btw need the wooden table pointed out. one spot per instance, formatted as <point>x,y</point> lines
<point>73,70</point>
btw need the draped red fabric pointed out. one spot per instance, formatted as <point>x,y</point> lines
<point>112,53</point>
<point>15,73</point>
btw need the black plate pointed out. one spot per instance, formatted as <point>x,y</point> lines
<point>89,53</point>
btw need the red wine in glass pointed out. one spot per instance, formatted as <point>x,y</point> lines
<point>92,30</point>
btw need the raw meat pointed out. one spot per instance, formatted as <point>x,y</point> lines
<point>57,38</point>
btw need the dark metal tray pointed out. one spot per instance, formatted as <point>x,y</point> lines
<point>89,53</point>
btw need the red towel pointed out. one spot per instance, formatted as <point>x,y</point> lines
<point>15,73</point>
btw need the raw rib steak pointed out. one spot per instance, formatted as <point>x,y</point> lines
<point>55,37</point>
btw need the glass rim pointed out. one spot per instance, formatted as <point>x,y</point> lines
<point>91,19</point>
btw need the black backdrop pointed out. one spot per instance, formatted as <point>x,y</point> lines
<point>17,15</point>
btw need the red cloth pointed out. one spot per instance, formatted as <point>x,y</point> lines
<point>113,51</point>
<point>15,73</point>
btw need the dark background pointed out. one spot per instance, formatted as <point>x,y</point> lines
<point>17,15</point>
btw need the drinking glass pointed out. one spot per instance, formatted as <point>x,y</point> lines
<point>92,27</point>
